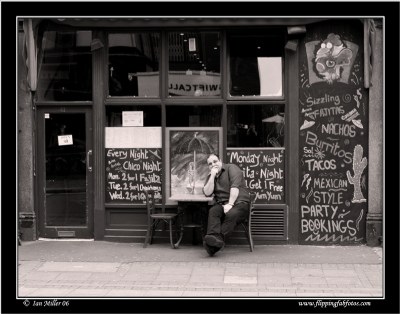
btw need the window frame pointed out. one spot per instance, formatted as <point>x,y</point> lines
<point>255,32</point>
<point>260,103</point>
<point>117,99</point>
<point>44,27</point>
<point>166,67</point>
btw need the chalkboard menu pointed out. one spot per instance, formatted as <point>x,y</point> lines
<point>263,170</point>
<point>132,171</point>
<point>333,136</point>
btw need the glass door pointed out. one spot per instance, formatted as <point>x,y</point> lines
<point>65,173</point>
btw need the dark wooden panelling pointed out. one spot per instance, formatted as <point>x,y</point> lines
<point>125,218</point>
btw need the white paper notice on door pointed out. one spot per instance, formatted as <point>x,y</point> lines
<point>65,140</point>
<point>132,118</point>
<point>192,44</point>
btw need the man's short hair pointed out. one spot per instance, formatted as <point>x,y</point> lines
<point>213,154</point>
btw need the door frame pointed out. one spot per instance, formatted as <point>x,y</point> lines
<point>63,231</point>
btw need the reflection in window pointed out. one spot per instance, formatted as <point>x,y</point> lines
<point>134,64</point>
<point>194,116</point>
<point>256,66</point>
<point>151,115</point>
<point>65,66</point>
<point>256,126</point>
<point>194,64</point>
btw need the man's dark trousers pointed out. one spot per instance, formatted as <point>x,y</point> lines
<point>235,215</point>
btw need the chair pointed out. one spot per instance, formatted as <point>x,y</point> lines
<point>246,224</point>
<point>153,218</point>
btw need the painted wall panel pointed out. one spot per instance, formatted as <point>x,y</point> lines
<point>333,135</point>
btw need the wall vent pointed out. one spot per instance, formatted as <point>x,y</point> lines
<point>269,224</point>
<point>66,234</point>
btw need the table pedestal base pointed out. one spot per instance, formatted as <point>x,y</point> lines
<point>195,208</point>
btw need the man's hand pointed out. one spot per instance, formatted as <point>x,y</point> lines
<point>214,171</point>
<point>227,208</point>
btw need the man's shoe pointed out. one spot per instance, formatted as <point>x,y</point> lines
<point>211,250</point>
<point>214,240</point>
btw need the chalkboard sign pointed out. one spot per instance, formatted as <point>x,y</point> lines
<point>132,171</point>
<point>333,136</point>
<point>263,170</point>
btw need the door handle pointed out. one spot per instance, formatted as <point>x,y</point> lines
<point>89,154</point>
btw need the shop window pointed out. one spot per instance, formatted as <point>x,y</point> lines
<point>194,116</point>
<point>133,64</point>
<point>256,125</point>
<point>194,64</point>
<point>65,66</point>
<point>256,66</point>
<point>119,116</point>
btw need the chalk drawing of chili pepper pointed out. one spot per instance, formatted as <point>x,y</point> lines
<point>359,219</point>
<point>309,194</point>
<point>357,123</point>
<point>308,183</point>
<point>350,115</point>
<point>304,178</point>
<point>357,101</point>
<point>359,93</point>
<point>342,215</point>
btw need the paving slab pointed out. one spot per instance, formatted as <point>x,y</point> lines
<point>79,267</point>
<point>51,292</point>
<point>41,276</point>
<point>210,278</point>
<point>277,279</point>
<point>340,273</point>
<point>306,272</point>
<point>87,292</point>
<point>201,293</point>
<point>241,280</point>
<point>124,293</point>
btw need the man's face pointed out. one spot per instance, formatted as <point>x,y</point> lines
<point>213,161</point>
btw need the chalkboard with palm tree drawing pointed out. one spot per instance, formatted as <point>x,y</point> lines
<point>189,149</point>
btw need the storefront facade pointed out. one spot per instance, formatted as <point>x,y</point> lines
<point>110,108</point>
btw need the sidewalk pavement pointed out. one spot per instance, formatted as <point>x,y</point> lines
<point>109,269</point>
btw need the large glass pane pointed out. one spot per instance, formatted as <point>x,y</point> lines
<point>194,116</point>
<point>133,64</point>
<point>65,169</point>
<point>256,125</point>
<point>65,66</point>
<point>256,66</point>
<point>194,64</point>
